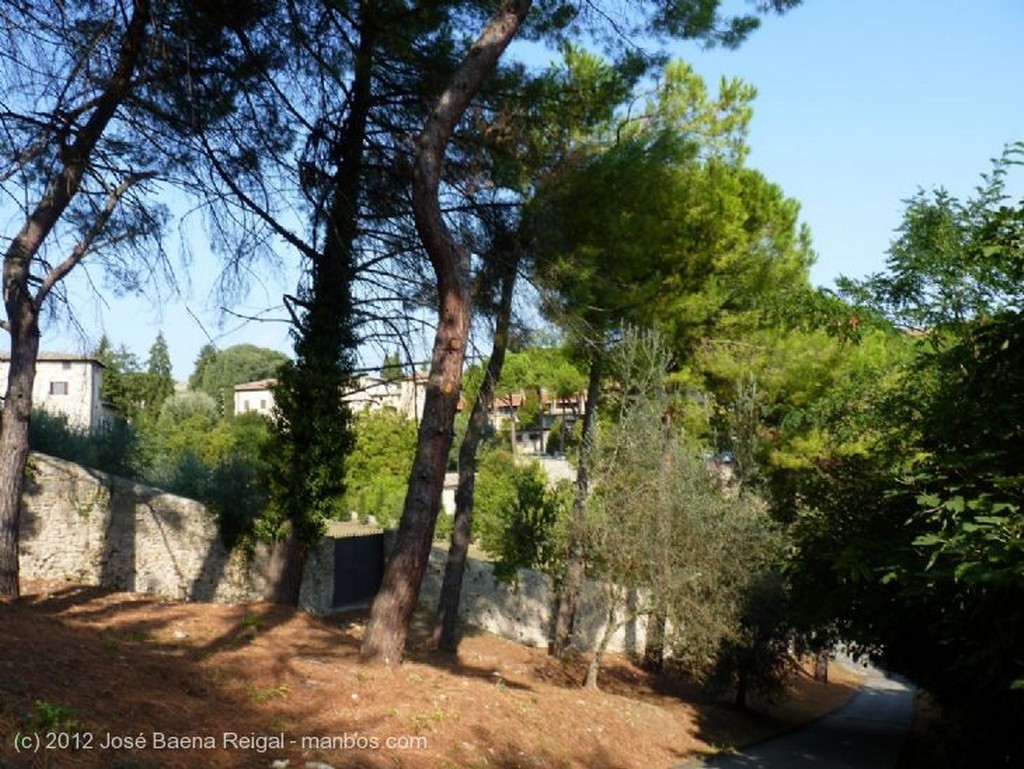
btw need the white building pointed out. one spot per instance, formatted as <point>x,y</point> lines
<point>255,396</point>
<point>65,384</point>
<point>405,395</point>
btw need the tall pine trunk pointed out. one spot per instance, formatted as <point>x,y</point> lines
<point>576,565</point>
<point>392,609</point>
<point>311,416</point>
<point>14,436</point>
<point>447,620</point>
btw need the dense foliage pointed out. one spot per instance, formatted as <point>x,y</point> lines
<point>520,515</point>
<point>178,441</point>
<point>377,469</point>
<point>664,524</point>
<point>881,426</point>
<point>910,539</point>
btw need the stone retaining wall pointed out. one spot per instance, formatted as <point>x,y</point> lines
<point>522,611</point>
<point>91,528</point>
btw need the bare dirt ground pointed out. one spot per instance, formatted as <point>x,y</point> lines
<point>90,678</point>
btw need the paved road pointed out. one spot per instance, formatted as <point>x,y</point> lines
<point>865,734</point>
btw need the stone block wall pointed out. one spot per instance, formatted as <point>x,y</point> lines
<point>92,528</point>
<point>522,611</point>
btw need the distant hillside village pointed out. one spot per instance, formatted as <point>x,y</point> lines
<point>406,396</point>
<point>71,385</point>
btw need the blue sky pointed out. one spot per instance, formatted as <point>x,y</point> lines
<point>860,103</point>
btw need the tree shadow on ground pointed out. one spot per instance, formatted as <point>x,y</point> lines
<point>420,648</point>
<point>87,661</point>
<point>722,724</point>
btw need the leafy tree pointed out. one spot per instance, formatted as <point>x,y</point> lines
<point>660,225</point>
<point>810,390</point>
<point>207,355</point>
<point>377,469</point>
<point>657,525</point>
<point>137,393</point>
<point>391,369</point>
<point>159,378</point>
<point>912,547</point>
<point>954,261</point>
<point>123,380</point>
<point>187,406</point>
<point>530,372</point>
<point>516,376</point>
<point>518,514</point>
<point>757,658</point>
<point>312,437</point>
<point>216,460</point>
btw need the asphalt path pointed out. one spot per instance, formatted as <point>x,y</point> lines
<point>867,733</point>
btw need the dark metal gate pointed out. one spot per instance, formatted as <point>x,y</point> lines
<point>358,569</point>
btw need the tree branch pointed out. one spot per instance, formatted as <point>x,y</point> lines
<point>57,273</point>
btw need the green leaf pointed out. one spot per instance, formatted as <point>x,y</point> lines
<point>964,569</point>
<point>955,505</point>
<point>991,520</point>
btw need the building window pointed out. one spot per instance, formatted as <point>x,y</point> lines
<point>66,365</point>
<point>58,388</point>
<point>263,405</point>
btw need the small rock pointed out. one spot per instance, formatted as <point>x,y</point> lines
<point>279,763</point>
<point>180,635</point>
<point>318,765</point>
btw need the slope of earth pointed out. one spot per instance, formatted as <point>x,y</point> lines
<point>90,678</point>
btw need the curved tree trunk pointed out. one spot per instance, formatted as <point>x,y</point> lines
<point>576,566</point>
<point>14,439</point>
<point>447,620</point>
<point>23,308</point>
<point>392,609</point>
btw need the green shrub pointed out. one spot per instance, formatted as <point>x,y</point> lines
<point>377,470</point>
<point>113,447</point>
<point>516,513</point>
